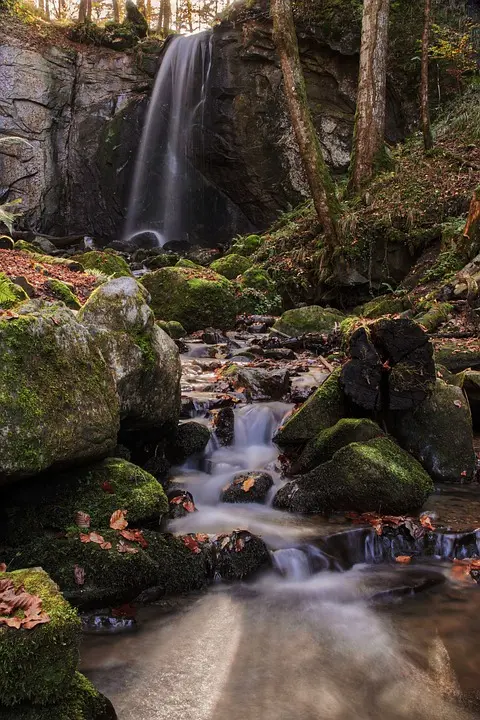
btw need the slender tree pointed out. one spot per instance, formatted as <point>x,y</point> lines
<point>116,10</point>
<point>424,95</point>
<point>318,176</point>
<point>369,130</point>
<point>164,17</point>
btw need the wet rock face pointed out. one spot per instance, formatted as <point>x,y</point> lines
<point>247,488</point>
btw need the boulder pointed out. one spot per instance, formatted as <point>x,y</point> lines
<point>58,400</point>
<point>11,294</point>
<point>246,245</point>
<point>307,320</point>
<point>257,278</point>
<point>191,439</point>
<point>64,292</point>
<point>258,384</point>
<point>196,298</point>
<point>457,356</point>
<point>224,423</point>
<point>384,305</point>
<point>470,383</point>
<point>38,665</point>
<point>322,410</point>
<point>376,476</point>
<point>30,509</point>
<point>438,432</point>
<point>240,555</point>
<point>248,488</point>
<point>231,266</point>
<point>81,701</point>
<point>172,328</point>
<point>323,447</point>
<point>108,263</point>
<point>144,359</point>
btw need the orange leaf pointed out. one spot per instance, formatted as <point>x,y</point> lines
<point>122,547</point>
<point>117,521</point>
<point>82,519</point>
<point>426,522</point>
<point>248,484</point>
<point>106,546</point>
<point>403,559</point>
<point>96,538</point>
<point>134,536</point>
<point>84,538</point>
<point>191,544</point>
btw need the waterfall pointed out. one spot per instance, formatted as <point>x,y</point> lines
<point>165,187</point>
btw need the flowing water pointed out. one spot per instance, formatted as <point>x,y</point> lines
<point>332,632</point>
<point>164,191</point>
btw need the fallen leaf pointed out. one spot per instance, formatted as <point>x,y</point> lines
<point>191,544</point>
<point>106,546</point>
<point>134,536</point>
<point>426,522</point>
<point>107,487</point>
<point>189,506</point>
<point>248,484</point>
<point>122,547</point>
<point>96,538</point>
<point>82,519</point>
<point>458,403</point>
<point>84,538</point>
<point>3,567</point>
<point>79,575</point>
<point>117,521</point>
<point>14,599</point>
<point>403,559</point>
<point>239,544</point>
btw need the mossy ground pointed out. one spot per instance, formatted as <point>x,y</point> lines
<point>38,665</point>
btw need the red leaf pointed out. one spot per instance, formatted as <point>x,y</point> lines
<point>189,506</point>
<point>134,536</point>
<point>3,567</point>
<point>191,544</point>
<point>107,487</point>
<point>13,599</point>
<point>84,538</point>
<point>117,521</point>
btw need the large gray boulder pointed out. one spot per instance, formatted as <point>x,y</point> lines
<point>144,359</point>
<point>438,432</point>
<point>58,400</point>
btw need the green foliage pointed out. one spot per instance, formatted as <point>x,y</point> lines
<point>447,264</point>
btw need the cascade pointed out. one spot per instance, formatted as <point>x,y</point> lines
<point>167,191</point>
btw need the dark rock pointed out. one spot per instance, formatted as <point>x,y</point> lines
<point>25,285</point>
<point>136,19</point>
<point>210,336</point>
<point>240,555</point>
<point>191,439</point>
<point>6,243</point>
<point>225,426</point>
<point>280,354</point>
<point>248,488</point>
<point>259,384</point>
<point>180,503</point>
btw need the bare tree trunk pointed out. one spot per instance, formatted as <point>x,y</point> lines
<point>369,131</point>
<point>424,95</point>
<point>318,176</point>
<point>116,10</point>
<point>164,17</point>
<point>82,11</point>
<point>470,242</point>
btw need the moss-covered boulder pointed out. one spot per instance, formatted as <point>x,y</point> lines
<point>64,292</point>
<point>58,400</point>
<point>248,488</point>
<point>457,356</point>
<point>144,359</point>
<point>185,262</point>
<point>323,447</point>
<point>469,381</point>
<point>108,263</point>
<point>438,432</point>
<point>31,509</point>
<point>10,293</point>
<point>312,319</point>
<point>246,245</point>
<point>25,246</point>
<point>38,665</point>
<point>191,439</point>
<point>196,298</point>
<point>116,574</point>
<point>231,266</point>
<point>384,305</point>
<point>240,555</point>
<point>322,410</point>
<point>257,277</point>
<point>172,328</point>
<point>373,476</point>
<point>81,701</point>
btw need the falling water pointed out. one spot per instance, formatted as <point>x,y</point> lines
<point>165,188</point>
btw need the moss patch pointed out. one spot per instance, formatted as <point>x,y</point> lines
<point>63,292</point>
<point>246,245</point>
<point>307,320</point>
<point>231,266</point>
<point>10,294</point>
<point>108,263</point>
<point>39,665</point>
<point>172,328</point>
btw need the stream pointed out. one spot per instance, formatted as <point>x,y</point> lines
<point>334,631</point>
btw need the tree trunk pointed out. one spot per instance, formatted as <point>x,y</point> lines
<point>141,7</point>
<point>318,176</point>
<point>116,10</point>
<point>424,100</point>
<point>164,17</point>
<point>469,245</point>
<point>82,11</point>
<point>369,130</point>
<point>47,9</point>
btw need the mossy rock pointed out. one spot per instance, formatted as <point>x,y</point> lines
<point>384,305</point>
<point>80,701</point>
<point>257,277</point>
<point>246,245</point>
<point>191,439</point>
<point>323,447</point>
<point>469,381</point>
<point>179,569</point>
<point>174,329</point>
<point>244,556</point>
<point>25,246</point>
<point>33,508</point>
<point>197,298</point>
<point>38,665</point>
<point>311,319</point>
<point>438,432</point>
<point>58,400</point>
<point>456,356</point>
<point>185,262</point>
<point>322,410</point>
<point>10,293</point>
<point>231,266</point>
<point>435,316</point>
<point>374,476</point>
<point>247,487</point>
<point>161,261</point>
<point>62,291</point>
<point>108,263</point>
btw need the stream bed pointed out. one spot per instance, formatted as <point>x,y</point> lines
<point>334,631</point>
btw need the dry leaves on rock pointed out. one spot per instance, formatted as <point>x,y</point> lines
<point>19,609</point>
<point>416,528</point>
<point>134,536</point>
<point>95,538</point>
<point>462,569</point>
<point>248,484</point>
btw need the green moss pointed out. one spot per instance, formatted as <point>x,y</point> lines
<point>32,508</point>
<point>257,278</point>
<point>197,298</point>
<point>63,292</point>
<point>172,328</point>
<point>178,568</point>
<point>435,316</point>
<point>10,294</point>
<point>373,476</point>
<point>308,319</point>
<point>108,263</point>
<point>256,302</point>
<point>51,372</point>
<point>322,448</point>
<point>322,410</point>
<point>80,701</point>
<point>231,266</point>
<point>447,264</point>
<point>456,356</point>
<point>184,262</point>
<point>384,305</point>
<point>38,665</point>
<point>25,246</point>
<point>246,245</point>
